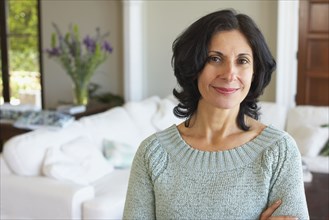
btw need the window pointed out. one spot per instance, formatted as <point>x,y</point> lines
<point>20,64</point>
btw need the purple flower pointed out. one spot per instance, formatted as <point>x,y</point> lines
<point>75,54</point>
<point>89,43</point>
<point>53,52</point>
<point>107,47</point>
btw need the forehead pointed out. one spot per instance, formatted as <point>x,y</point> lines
<point>229,41</point>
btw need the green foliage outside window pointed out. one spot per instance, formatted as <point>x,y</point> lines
<point>23,35</point>
<point>23,52</point>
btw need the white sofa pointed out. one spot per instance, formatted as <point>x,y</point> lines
<point>63,174</point>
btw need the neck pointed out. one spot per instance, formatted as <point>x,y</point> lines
<point>214,129</point>
<point>209,120</point>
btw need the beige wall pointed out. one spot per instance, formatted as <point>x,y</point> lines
<point>165,20</point>
<point>87,15</point>
<point>162,20</point>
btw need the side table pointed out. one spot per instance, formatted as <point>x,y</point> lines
<point>7,130</point>
<point>93,109</point>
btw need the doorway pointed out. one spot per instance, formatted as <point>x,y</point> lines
<point>313,53</point>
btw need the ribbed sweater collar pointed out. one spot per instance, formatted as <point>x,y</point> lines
<point>218,161</point>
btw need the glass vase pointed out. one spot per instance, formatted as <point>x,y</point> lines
<point>80,94</point>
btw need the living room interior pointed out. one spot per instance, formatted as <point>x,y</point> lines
<point>139,71</point>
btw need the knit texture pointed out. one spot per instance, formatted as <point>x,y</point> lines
<point>171,180</point>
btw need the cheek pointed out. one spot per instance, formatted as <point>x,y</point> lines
<point>245,82</point>
<point>201,85</point>
<point>247,78</point>
<point>203,80</point>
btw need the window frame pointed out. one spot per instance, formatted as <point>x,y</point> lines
<point>4,51</point>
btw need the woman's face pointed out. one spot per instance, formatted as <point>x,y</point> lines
<point>225,80</point>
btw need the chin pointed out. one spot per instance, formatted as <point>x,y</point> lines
<point>227,105</point>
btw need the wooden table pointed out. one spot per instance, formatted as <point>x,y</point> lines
<point>317,196</point>
<point>7,130</point>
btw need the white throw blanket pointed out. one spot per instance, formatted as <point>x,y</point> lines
<point>78,161</point>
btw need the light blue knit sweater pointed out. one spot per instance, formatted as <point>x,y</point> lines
<point>171,180</point>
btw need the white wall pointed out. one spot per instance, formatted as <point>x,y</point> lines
<point>165,20</point>
<point>87,15</point>
<point>287,48</point>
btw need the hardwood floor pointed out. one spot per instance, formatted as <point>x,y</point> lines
<point>317,196</point>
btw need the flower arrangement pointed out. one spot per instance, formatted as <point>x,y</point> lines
<point>79,58</point>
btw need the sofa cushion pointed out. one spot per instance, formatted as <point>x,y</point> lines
<point>25,153</point>
<point>114,124</point>
<point>164,117</point>
<point>142,112</point>
<point>273,114</point>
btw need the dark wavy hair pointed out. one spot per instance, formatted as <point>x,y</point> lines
<point>190,53</point>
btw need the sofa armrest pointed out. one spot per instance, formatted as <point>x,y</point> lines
<point>42,198</point>
<point>4,169</point>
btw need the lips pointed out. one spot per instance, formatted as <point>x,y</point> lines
<point>226,91</point>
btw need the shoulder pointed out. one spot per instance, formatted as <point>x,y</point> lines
<point>280,140</point>
<point>152,155</point>
<point>270,136</point>
<point>281,148</point>
<point>156,141</point>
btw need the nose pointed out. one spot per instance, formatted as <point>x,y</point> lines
<point>228,73</point>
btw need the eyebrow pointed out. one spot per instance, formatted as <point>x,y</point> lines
<point>221,54</point>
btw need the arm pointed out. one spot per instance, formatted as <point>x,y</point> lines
<point>140,202</point>
<point>287,181</point>
<point>267,214</point>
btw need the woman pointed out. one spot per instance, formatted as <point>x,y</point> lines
<point>221,163</point>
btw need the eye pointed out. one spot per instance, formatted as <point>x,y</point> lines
<point>243,61</point>
<point>214,59</point>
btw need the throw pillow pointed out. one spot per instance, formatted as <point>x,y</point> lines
<point>120,155</point>
<point>310,139</point>
<point>325,149</point>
